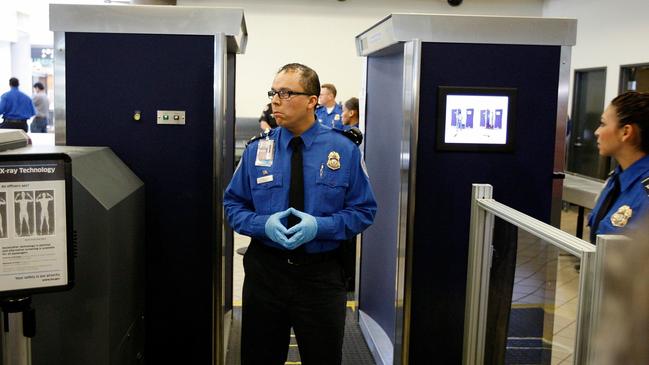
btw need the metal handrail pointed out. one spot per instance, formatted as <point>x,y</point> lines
<point>563,240</point>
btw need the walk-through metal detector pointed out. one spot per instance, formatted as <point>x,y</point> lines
<point>451,100</point>
<point>156,85</point>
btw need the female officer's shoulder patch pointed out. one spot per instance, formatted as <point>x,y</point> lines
<point>354,134</point>
<point>645,182</point>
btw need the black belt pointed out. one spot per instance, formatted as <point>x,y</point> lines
<point>15,120</point>
<point>296,258</point>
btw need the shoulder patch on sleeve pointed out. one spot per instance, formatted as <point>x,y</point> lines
<point>261,135</point>
<point>354,134</point>
<point>645,182</point>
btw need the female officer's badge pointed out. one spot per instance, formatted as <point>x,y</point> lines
<point>621,217</point>
<point>333,160</point>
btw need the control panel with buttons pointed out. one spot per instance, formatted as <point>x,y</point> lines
<point>171,117</point>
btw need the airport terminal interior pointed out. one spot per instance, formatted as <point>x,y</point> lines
<point>478,122</point>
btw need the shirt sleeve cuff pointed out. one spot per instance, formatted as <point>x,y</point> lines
<point>326,227</point>
<point>258,228</point>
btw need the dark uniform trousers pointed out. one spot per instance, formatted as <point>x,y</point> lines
<point>14,124</point>
<point>283,290</point>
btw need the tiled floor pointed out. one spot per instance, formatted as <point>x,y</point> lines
<point>238,275</point>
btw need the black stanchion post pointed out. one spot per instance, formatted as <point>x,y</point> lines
<point>19,324</point>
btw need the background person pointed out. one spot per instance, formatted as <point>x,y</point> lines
<point>348,254</point>
<point>42,105</point>
<point>267,120</point>
<point>299,193</point>
<point>350,113</point>
<point>15,107</point>
<point>623,134</point>
<point>329,112</point>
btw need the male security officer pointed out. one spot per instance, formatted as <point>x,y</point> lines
<point>299,191</point>
<point>15,107</point>
<point>329,112</point>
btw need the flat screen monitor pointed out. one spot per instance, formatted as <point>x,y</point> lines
<point>476,119</point>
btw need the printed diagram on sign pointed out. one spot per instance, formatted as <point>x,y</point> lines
<point>24,213</point>
<point>45,212</point>
<point>3,215</point>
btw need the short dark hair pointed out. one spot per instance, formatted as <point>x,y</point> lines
<point>13,82</point>
<point>331,88</point>
<point>352,104</point>
<point>39,86</point>
<point>308,77</point>
<point>633,108</point>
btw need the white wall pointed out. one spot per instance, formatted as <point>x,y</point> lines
<point>610,33</point>
<point>8,34</point>
<point>5,65</point>
<point>320,34</point>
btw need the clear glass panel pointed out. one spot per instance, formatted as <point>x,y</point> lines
<point>533,300</point>
<point>587,107</point>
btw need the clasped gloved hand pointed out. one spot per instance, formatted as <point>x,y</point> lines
<point>302,232</point>
<point>274,228</point>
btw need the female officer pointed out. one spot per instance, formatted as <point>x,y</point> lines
<point>623,133</point>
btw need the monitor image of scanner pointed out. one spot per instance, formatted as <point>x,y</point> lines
<point>476,119</point>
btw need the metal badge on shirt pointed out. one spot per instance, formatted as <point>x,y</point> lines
<point>333,160</point>
<point>265,153</point>
<point>621,217</point>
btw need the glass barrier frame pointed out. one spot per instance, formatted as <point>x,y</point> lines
<point>483,211</point>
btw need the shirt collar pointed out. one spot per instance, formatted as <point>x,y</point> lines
<point>633,172</point>
<point>307,137</point>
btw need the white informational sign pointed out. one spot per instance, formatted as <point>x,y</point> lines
<point>33,236</point>
<point>476,119</point>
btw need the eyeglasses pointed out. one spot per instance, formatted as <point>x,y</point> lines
<point>284,94</point>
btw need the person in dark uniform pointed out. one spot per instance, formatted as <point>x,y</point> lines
<point>300,191</point>
<point>15,107</point>
<point>267,120</point>
<point>623,134</point>
<point>350,113</point>
<point>348,254</point>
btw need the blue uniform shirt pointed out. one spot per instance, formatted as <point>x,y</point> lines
<point>333,119</point>
<point>634,193</point>
<point>341,200</point>
<point>16,105</point>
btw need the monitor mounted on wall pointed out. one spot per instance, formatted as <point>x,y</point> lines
<point>476,119</point>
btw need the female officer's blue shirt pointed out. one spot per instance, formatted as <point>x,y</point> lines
<point>634,193</point>
<point>341,200</point>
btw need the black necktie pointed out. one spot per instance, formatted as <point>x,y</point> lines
<point>296,191</point>
<point>609,199</point>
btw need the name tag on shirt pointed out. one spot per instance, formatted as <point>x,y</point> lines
<point>265,149</point>
<point>264,179</point>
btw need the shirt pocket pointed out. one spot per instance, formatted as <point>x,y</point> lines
<point>332,187</point>
<point>266,194</point>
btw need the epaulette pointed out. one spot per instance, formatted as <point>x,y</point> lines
<point>645,182</point>
<point>261,135</point>
<point>354,134</point>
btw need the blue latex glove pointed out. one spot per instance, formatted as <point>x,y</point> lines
<point>274,228</point>
<point>302,232</point>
